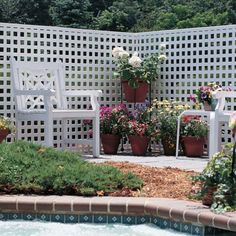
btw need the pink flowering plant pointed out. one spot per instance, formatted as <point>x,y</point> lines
<point>114,120</point>
<point>141,123</point>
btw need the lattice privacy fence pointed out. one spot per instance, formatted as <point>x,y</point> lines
<point>195,57</point>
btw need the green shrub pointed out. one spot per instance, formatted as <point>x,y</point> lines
<point>29,168</point>
<point>218,174</point>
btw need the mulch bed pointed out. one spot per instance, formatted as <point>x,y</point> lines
<point>158,182</point>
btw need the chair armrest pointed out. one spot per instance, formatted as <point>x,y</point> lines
<point>47,93</point>
<point>82,93</point>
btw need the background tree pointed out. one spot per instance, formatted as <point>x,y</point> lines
<point>71,13</point>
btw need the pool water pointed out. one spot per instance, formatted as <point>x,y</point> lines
<point>34,228</point>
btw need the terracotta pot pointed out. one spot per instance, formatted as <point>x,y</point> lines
<point>210,107</point>
<point>135,94</point>
<point>193,146</point>
<point>169,148</point>
<point>110,143</point>
<point>207,199</point>
<point>139,144</point>
<point>3,134</point>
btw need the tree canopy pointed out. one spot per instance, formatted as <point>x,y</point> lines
<point>122,15</point>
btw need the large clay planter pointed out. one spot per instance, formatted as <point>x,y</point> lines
<point>135,94</point>
<point>139,144</point>
<point>3,134</point>
<point>193,146</point>
<point>110,143</point>
<point>169,148</point>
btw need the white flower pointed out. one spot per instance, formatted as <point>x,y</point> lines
<point>162,46</point>
<point>116,52</point>
<point>162,58</point>
<point>135,61</point>
<point>123,54</point>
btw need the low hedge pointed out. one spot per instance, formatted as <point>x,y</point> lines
<point>30,168</point>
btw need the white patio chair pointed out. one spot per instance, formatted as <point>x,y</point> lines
<point>39,90</point>
<point>222,115</point>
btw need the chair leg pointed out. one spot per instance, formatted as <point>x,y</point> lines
<point>48,132</point>
<point>96,137</point>
<point>63,135</point>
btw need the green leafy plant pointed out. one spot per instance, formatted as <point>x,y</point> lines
<point>134,68</point>
<point>165,113</point>
<point>218,174</point>
<point>29,168</point>
<point>194,127</point>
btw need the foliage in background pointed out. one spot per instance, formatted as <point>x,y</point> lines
<point>29,168</point>
<point>122,15</point>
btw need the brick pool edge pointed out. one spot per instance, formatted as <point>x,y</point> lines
<point>178,210</point>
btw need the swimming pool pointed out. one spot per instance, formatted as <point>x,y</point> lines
<point>34,228</point>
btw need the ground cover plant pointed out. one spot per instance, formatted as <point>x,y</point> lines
<point>29,168</point>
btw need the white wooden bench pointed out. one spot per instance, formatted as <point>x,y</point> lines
<point>39,90</point>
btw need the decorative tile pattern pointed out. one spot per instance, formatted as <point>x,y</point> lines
<point>188,228</point>
<point>15,216</point>
<point>130,220</point>
<point>3,216</point>
<point>100,219</point>
<point>142,219</point>
<point>58,218</point>
<point>29,216</point>
<point>44,217</point>
<point>197,230</point>
<point>71,218</point>
<point>176,225</point>
<point>114,219</point>
<point>85,219</point>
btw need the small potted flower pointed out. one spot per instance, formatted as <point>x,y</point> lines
<point>135,73</point>
<point>194,134</point>
<point>204,95</point>
<point>139,135</point>
<point>6,127</point>
<point>165,113</point>
<point>113,125</point>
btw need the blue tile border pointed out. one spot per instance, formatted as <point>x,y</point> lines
<point>162,223</point>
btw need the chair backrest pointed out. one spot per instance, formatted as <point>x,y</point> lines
<point>222,96</point>
<point>29,76</point>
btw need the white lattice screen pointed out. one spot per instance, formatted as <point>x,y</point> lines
<point>195,57</point>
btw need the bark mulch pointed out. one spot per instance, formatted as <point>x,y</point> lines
<point>158,182</point>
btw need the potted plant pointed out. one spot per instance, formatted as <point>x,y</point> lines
<point>204,95</point>
<point>165,113</point>
<point>217,185</point>
<point>6,127</point>
<point>135,73</point>
<point>194,133</point>
<point>113,124</point>
<point>139,135</point>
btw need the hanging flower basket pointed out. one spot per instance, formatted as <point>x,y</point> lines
<point>210,107</point>
<point>135,95</point>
